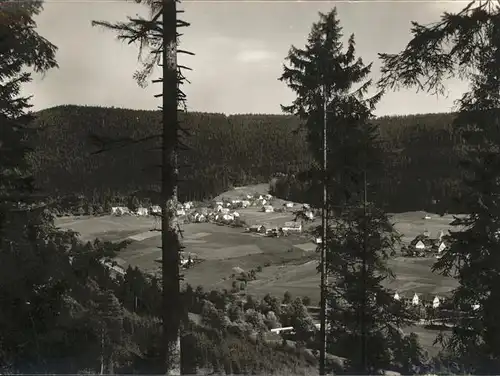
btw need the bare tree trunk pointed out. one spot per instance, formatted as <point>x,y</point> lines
<point>102,352</point>
<point>169,237</point>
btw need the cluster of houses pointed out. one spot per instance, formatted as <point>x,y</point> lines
<point>416,300</point>
<point>292,227</point>
<point>424,245</point>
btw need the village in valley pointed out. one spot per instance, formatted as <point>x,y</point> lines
<point>220,237</point>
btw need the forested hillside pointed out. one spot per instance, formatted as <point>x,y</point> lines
<point>224,151</point>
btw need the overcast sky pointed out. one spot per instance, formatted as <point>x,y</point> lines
<point>240,48</point>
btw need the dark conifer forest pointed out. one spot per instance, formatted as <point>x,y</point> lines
<point>421,156</point>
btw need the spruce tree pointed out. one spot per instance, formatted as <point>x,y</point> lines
<point>466,44</point>
<point>158,40</point>
<point>364,320</point>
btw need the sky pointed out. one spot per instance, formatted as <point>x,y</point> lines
<point>240,49</point>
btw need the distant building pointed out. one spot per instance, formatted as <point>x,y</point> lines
<point>142,211</point>
<point>397,297</point>
<point>415,301</point>
<point>436,302</point>
<point>267,209</point>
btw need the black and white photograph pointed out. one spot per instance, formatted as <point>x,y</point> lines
<point>249,187</point>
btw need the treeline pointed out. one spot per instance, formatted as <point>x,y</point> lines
<point>422,155</point>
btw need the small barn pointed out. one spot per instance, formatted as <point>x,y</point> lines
<point>397,297</point>
<point>180,212</point>
<point>289,204</point>
<point>245,203</point>
<point>309,215</point>
<point>219,208</point>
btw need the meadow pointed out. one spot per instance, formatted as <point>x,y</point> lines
<point>284,264</point>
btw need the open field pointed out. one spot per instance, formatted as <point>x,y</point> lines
<point>287,263</point>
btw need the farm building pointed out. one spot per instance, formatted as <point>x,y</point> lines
<point>415,301</point>
<point>436,302</point>
<point>397,297</point>
<point>422,242</point>
<point>224,211</point>
<point>441,247</point>
<point>120,210</point>
<point>155,209</point>
<point>142,211</point>
<point>306,206</point>
<point>227,218</point>
<point>188,205</point>
<point>292,227</point>
<point>309,215</point>
<point>288,204</point>
<point>219,208</point>
<point>267,209</point>
<point>180,212</point>
<point>236,214</point>
<point>245,203</point>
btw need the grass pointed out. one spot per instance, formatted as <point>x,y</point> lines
<point>288,263</point>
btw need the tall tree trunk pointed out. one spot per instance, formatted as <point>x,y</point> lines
<point>169,238</point>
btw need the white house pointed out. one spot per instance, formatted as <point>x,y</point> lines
<point>436,302</point>
<point>441,247</point>
<point>219,203</point>
<point>260,197</point>
<point>249,197</point>
<point>427,217</point>
<point>397,297</point>
<point>306,206</point>
<point>318,240</point>
<point>267,209</point>
<point>264,202</point>
<point>142,211</point>
<point>236,215</point>
<point>224,210</point>
<point>245,203</point>
<point>415,301</point>
<point>120,210</point>
<point>234,202</point>
<point>227,218</point>
<point>201,218</point>
<point>188,205</point>
<point>289,204</point>
<point>476,306</point>
<point>180,212</point>
<point>218,208</point>
<point>156,209</point>
<point>228,204</point>
<point>420,245</point>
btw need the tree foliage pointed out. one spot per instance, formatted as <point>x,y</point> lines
<point>466,44</point>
